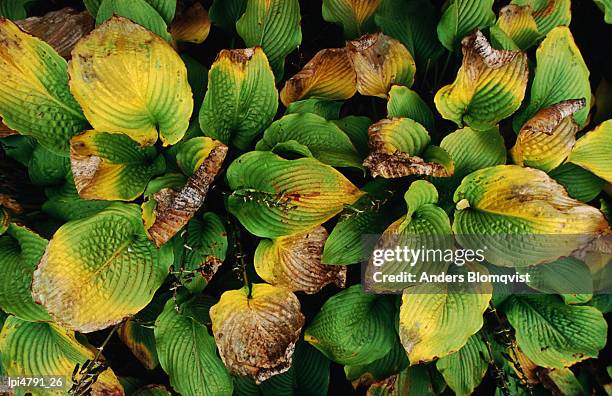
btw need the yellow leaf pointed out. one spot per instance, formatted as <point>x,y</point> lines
<point>548,137</point>
<point>328,75</point>
<point>593,151</point>
<point>380,61</point>
<point>129,80</point>
<point>489,87</point>
<point>294,262</point>
<point>191,25</point>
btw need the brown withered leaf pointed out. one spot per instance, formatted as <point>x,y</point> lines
<point>548,119</point>
<point>328,75</point>
<point>10,203</point>
<point>380,61</point>
<point>294,262</point>
<point>546,140</point>
<point>174,209</point>
<point>400,147</point>
<point>477,50</point>
<point>256,333</point>
<point>191,25</point>
<point>528,369</point>
<point>400,164</point>
<point>61,29</point>
<point>6,131</point>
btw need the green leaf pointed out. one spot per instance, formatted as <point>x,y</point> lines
<point>308,376</point>
<point>328,109</point>
<point>593,151</point>
<point>415,380</point>
<point>356,128</point>
<point>139,11</point>
<point>355,17</point>
<point>19,147</point>
<point>388,365</point>
<point>241,99</point>
<point>121,267</point>
<point>472,150</point>
<point>465,369</point>
<point>561,74</point>
<point>603,302</point>
<point>207,241</point>
<point>20,251</point>
<point>111,166</point>
<point>65,204</point>
<point>553,334</point>
<point>567,276</point>
<point>461,17</point>
<point>366,216</point>
<point>191,154</point>
<point>423,224</point>
<point>92,6</point>
<point>500,40</point>
<point>165,8</point>
<point>197,75</point>
<point>273,25</point>
<point>33,349</point>
<point>225,13</point>
<point>505,205</point>
<point>413,22</point>
<point>353,328</point>
<point>606,7</point>
<point>563,381</point>
<point>326,141</point>
<point>291,148</point>
<point>579,183</point>
<point>437,319</point>
<point>14,9</point>
<point>34,95</point>
<point>188,354</point>
<point>46,168</point>
<point>275,197</point>
<point>404,102</point>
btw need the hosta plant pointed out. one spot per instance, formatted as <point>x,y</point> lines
<point>186,188</point>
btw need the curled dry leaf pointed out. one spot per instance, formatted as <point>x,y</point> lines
<point>394,148</point>
<point>328,75</point>
<point>380,61</point>
<point>61,29</point>
<point>256,333</point>
<point>294,262</point>
<point>401,164</point>
<point>489,87</point>
<point>548,137</point>
<point>191,25</point>
<point>174,209</point>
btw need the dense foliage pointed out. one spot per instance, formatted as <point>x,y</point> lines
<point>184,188</point>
